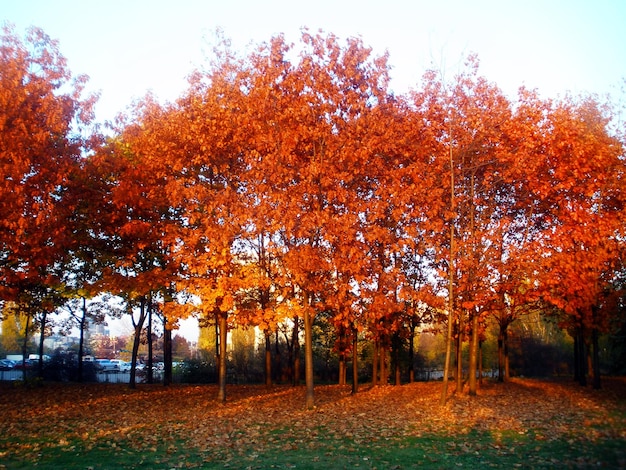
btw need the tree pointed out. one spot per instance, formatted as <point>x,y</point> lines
<point>42,117</point>
<point>580,181</point>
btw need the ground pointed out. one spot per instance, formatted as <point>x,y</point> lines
<point>525,423</point>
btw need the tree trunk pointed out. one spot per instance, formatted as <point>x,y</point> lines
<point>149,338</point>
<point>268,358</point>
<point>42,337</point>
<point>480,363</point>
<point>277,359</point>
<point>384,373</point>
<point>355,366</point>
<point>295,346</point>
<point>81,340</point>
<point>582,358</point>
<point>223,323</point>
<point>137,339</point>
<point>308,355</point>
<point>412,354</point>
<point>596,359</point>
<point>375,364</point>
<point>342,368</point>
<point>507,369</point>
<point>446,366</point>
<point>167,353</point>
<point>342,358</point>
<point>25,346</point>
<point>459,355</point>
<point>501,339</point>
<point>473,356</point>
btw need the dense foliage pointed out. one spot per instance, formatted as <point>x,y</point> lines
<point>291,184</point>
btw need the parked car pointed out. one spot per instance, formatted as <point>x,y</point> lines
<point>27,364</point>
<point>6,364</point>
<point>106,365</point>
<point>122,366</point>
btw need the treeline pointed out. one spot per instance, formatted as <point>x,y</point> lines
<point>290,183</point>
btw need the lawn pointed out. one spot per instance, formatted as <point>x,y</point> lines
<point>522,424</point>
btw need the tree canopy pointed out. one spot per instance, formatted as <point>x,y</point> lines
<point>291,182</point>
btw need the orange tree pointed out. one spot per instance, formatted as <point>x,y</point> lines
<point>42,119</point>
<point>292,123</point>
<point>579,178</point>
<point>137,218</point>
<point>325,149</point>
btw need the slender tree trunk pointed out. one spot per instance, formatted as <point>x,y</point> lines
<point>396,346</point>
<point>507,369</point>
<point>480,363</point>
<point>25,346</point>
<point>217,341</point>
<point>459,355</point>
<point>167,353</point>
<point>582,358</point>
<point>81,340</point>
<point>268,358</point>
<point>295,345</point>
<point>384,373</point>
<point>501,334</point>
<point>473,356</point>
<point>277,359</point>
<point>412,354</point>
<point>589,361</point>
<point>308,355</point>
<point>342,368</point>
<point>375,364</point>
<point>149,338</point>
<point>289,375</point>
<point>576,360</point>
<point>397,374</point>
<point>222,320</point>
<point>342,358</point>
<point>596,359</point>
<point>355,366</point>
<point>473,314</point>
<point>446,367</point>
<point>223,323</point>
<point>136,341</point>
<point>42,337</point>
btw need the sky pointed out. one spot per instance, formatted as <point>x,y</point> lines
<point>130,47</point>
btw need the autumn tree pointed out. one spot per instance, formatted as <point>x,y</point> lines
<point>42,118</point>
<point>140,229</point>
<point>579,179</point>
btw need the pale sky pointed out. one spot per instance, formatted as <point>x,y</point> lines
<point>128,47</point>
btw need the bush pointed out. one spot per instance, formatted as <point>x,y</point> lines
<point>196,372</point>
<point>63,367</point>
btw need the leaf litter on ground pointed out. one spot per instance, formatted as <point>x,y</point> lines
<point>258,419</point>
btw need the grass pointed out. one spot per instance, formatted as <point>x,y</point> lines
<point>522,424</point>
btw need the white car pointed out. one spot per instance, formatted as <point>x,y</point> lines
<point>106,365</point>
<point>122,366</point>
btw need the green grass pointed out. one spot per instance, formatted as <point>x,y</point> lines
<point>474,450</point>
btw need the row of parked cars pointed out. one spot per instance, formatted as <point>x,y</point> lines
<point>101,365</point>
<point>8,364</point>
<point>112,365</point>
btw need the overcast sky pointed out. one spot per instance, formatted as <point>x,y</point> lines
<point>128,47</point>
